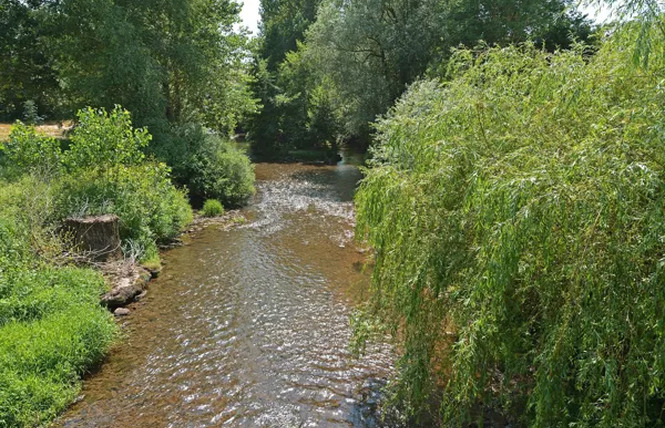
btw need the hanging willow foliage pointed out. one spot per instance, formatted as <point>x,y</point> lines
<point>518,217</point>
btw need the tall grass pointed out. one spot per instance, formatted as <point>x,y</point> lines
<point>52,328</point>
<point>517,212</point>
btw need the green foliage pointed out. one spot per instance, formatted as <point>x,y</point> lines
<point>648,14</point>
<point>31,113</point>
<point>283,25</point>
<point>103,171</point>
<point>105,140</point>
<point>28,78</point>
<point>284,81</point>
<point>211,167</point>
<point>168,62</point>
<point>517,216</point>
<point>29,151</point>
<point>213,208</point>
<point>150,208</point>
<point>52,328</point>
<point>325,81</point>
<point>100,140</point>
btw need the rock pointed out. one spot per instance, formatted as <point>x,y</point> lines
<point>154,271</point>
<point>119,312</point>
<point>96,237</point>
<point>126,289</point>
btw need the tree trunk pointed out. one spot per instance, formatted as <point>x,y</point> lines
<point>97,237</point>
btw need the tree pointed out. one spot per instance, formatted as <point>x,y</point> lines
<point>166,61</point>
<point>26,68</point>
<point>283,79</point>
<point>371,50</point>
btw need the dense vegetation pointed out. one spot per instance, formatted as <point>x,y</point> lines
<point>175,65</point>
<point>180,69</point>
<point>514,199</point>
<point>52,327</point>
<point>326,69</point>
<point>516,210</point>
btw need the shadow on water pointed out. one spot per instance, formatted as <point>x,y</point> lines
<point>248,327</point>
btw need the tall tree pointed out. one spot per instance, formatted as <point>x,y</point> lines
<point>282,121</point>
<point>373,49</point>
<point>166,61</point>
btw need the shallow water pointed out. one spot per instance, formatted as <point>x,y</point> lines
<point>248,327</point>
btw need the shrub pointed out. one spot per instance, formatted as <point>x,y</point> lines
<point>212,168</point>
<point>150,208</point>
<point>103,171</point>
<point>212,208</point>
<point>105,140</point>
<point>517,216</point>
<point>27,151</point>
<point>31,113</point>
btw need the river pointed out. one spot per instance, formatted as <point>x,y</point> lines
<point>248,326</point>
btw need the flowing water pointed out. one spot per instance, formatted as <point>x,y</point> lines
<point>248,327</point>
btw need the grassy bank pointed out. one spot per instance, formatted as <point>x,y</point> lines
<point>52,326</point>
<point>516,211</point>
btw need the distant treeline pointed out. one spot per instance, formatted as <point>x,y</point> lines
<point>326,69</point>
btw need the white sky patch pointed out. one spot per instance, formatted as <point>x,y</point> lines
<point>250,15</point>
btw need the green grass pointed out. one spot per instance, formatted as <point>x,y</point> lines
<point>52,329</point>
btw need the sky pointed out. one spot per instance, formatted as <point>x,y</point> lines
<point>250,14</point>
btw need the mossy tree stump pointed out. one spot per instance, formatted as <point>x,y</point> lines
<point>97,237</point>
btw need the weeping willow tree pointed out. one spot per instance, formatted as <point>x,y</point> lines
<point>647,14</point>
<point>517,213</point>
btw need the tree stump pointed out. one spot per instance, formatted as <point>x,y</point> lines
<point>97,237</point>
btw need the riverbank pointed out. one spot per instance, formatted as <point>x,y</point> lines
<point>248,322</point>
<point>53,329</point>
<point>128,279</point>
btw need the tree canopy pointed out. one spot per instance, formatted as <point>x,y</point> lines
<point>364,54</point>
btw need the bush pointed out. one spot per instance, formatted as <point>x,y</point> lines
<point>31,113</point>
<point>517,217</point>
<point>104,140</point>
<point>103,171</point>
<point>212,208</point>
<point>212,168</point>
<point>150,208</point>
<point>27,151</point>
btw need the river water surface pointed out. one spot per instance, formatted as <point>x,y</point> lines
<point>248,327</point>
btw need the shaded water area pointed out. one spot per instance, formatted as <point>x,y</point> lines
<point>248,327</point>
